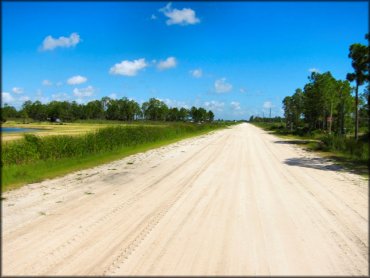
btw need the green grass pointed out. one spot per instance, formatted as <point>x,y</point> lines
<point>16,175</point>
<point>352,156</point>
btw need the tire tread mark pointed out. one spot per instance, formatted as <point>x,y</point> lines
<point>126,251</point>
<point>53,257</point>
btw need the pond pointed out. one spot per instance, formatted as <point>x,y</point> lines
<point>17,129</point>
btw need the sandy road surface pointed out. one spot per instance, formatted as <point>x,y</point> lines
<point>235,202</point>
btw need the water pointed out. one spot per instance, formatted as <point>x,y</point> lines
<point>17,129</point>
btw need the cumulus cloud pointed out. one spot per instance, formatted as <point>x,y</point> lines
<point>221,86</point>
<point>235,105</point>
<point>313,70</point>
<point>47,82</point>
<point>128,68</point>
<point>242,90</point>
<point>17,90</point>
<point>75,80</point>
<point>170,62</point>
<point>214,105</point>
<point>51,43</point>
<point>59,83</point>
<point>185,16</point>
<point>267,105</point>
<point>197,73</point>
<point>84,92</point>
<point>6,98</point>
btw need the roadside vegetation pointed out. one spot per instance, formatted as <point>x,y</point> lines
<point>330,114</point>
<point>35,158</point>
<point>76,136</point>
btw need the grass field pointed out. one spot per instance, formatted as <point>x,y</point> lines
<point>47,128</point>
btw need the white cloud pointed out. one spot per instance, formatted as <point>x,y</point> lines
<point>84,92</point>
<point>214,105</point>
<point>47,82</point>
<point>153,17</point>
<point>59,83</point>
<point>242,90</point>
<point>6,98</point>
<point>221,86</point>
<point>267,105</point>
<point>313,70</point>
<point>197,73</point>
<point>50,43</point>
<point>170,62</point>
<point>17,90</point>
<point>128,68</point>
<point>235,105</point>
<point>185,16</point>
<point>75,80</point>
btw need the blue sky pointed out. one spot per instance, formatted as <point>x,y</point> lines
<point>235,58</point>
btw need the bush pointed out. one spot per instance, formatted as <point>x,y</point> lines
<point>349,146</point>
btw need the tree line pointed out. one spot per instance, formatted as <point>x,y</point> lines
<point>107,108</point>
<point>328,104</point>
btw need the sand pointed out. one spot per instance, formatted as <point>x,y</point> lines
<point>237,201</point>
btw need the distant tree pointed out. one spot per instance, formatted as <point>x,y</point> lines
<point>327,87</point>
<point>297,107</point>
<point>173,114</point>
<point>76,111</point>
<point>288,112</point>
<point>211,116</point>
<point>155,110</point>
<point>94,110</point>
<point>112,109</point>
<point>183,114</point>
<point>344,104</point>
<point>203,115</point>
<point>319,100</point>
<point>37,111</point>
<point>194,114</point>
<point>360,62</point>
<point>8,112</point>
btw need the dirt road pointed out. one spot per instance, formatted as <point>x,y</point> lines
<point>235,202</point>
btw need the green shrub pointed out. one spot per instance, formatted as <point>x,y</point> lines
<point>349,146</point>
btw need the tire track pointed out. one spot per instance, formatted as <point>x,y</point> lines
<point>56,255</point>
<point>125,252</point>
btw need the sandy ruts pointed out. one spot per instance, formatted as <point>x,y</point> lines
<point>235,202</point>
